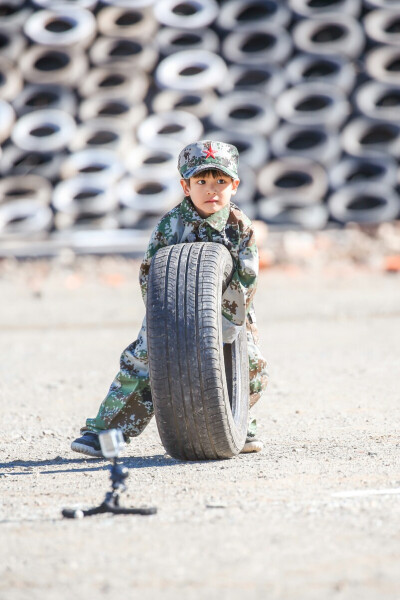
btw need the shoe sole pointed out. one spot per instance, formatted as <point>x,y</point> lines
<point>254,446</point>
<point>82,449</point>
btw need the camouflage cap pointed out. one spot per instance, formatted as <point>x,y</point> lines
<point>208,154</point>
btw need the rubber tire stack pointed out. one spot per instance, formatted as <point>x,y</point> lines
<point>298,79</point>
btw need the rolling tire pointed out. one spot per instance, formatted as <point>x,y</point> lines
<point>200,387</point>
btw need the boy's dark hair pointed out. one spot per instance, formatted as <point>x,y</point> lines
<point>215,173</point>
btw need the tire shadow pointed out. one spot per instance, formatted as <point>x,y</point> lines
<point>85,464</point>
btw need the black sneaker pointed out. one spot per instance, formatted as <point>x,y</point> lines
<point>88,444</point>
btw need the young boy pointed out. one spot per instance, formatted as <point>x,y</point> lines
<point>209,180</point>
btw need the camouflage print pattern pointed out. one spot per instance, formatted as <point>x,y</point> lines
<point>208,154</point>
<point>230,227</point>
<point>128,404</point>
<point>258,373</point>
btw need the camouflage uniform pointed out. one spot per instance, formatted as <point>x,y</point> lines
<point>128,404</point>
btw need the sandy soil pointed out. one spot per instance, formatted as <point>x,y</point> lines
<point>282,524</point>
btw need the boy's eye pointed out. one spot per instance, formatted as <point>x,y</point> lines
<point>203,181</point>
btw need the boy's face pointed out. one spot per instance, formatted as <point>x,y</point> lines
<point>209,194</point>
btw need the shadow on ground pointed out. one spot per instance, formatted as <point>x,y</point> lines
<point>93,464</point>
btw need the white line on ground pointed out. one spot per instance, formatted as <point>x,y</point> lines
<point>369,492</point>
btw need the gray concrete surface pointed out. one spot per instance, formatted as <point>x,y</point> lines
<point>271,525</point>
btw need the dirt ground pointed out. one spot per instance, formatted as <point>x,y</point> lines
<point>316,515</point>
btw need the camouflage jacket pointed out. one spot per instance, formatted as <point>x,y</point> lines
<point>230,227</point>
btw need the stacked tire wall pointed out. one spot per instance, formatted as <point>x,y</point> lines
<point>98,98</point>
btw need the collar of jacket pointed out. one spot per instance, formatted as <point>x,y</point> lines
<point>190,215</point>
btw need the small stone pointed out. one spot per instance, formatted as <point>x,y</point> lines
<point>216,504</point>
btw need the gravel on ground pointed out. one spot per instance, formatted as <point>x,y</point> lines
<point>316,515</point>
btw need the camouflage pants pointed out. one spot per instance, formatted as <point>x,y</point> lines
<point>128,404</point>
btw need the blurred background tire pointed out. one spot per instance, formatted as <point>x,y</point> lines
<point>14,14</point>
<point>12,44</point>
<point>26,162</point>
<point>381,170</point>
<point>149,195</point>
<point>293,176</point>
<point>116,80</point>
<point>40,64</point>
<point>379,101</point>
<point>200,104</point>
<point>259,45</point>
<point>314,104</point>
<point>99,165</point>
<point>43,130</point>
<point>236,15</point>
<point>84,196</point>
<point>61,26</point>
<point>146,163</point>
<point>110,92</point>
<point>265,79</point>
<point>382,63</point>
<point>189,14</point>
<point>104,105</point>
<point>305,8</point>
<point>45,96</point>
<point>174,128</point>
<point>332,35</point>
<point>364,137</point>
<point>10,80</point>
<point>170,40</point>
<point>25,187</point>
<point>382,26</point>
<point>24,219</point>
<point>334,70</point>
<point>103,132</point>
<point>7,118</point>
<point>253,149</point>
<point>313,142</point>
<point>245,112</point>
<point>370,203</point>
<point>127,22</point>
<point>294,212</point>
<point>191,71</point>
<point>137,53</point>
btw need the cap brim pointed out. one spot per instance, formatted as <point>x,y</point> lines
<point>194,170</point>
